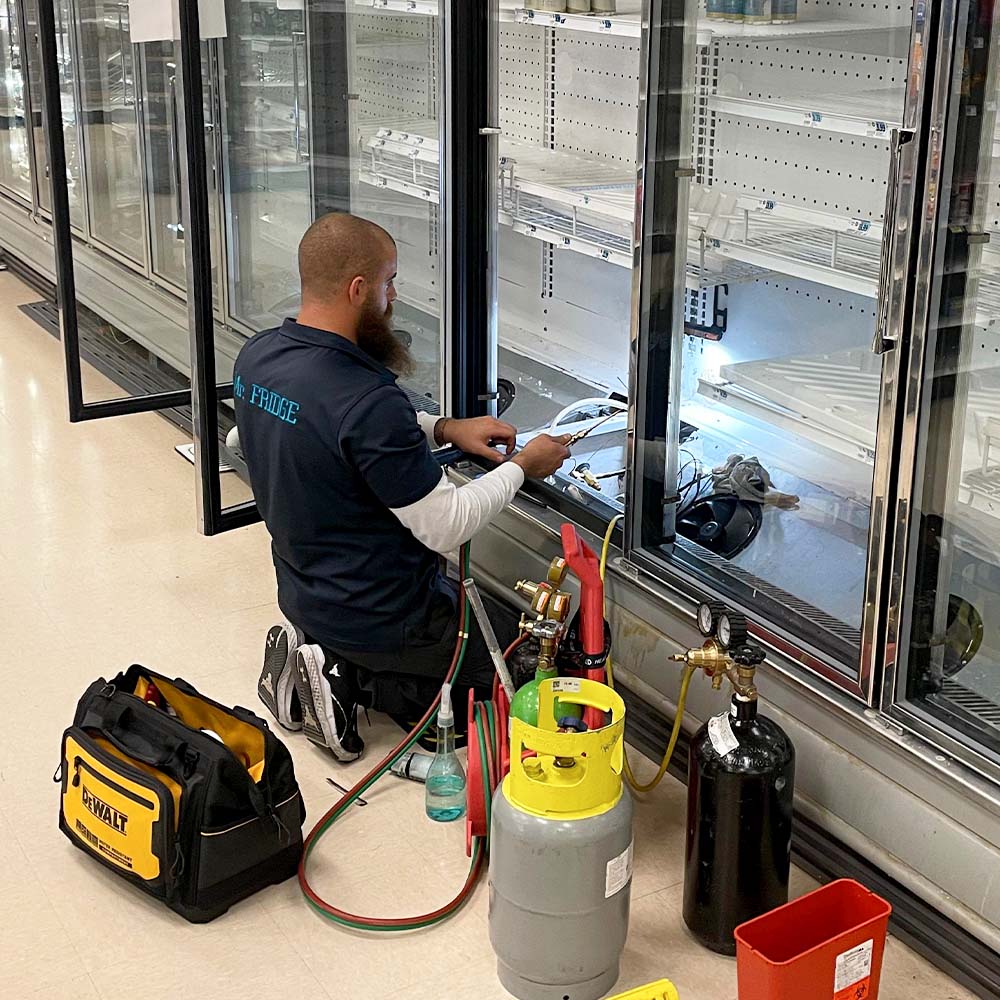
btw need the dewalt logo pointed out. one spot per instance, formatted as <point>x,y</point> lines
<point>105,813</point>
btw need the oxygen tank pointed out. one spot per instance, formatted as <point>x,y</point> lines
<point>561,851</point>
<point>741,775</point>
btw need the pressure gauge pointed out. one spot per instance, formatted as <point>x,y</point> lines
<point>732,630</point>
<point>706,625</point>
<point>708,616</point>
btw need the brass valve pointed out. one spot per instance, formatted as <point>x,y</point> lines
<point>548,633</point>
<point>547,601</point>
<point>726,652</point>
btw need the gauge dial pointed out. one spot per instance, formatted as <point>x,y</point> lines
<point>708,616</point>
<point>732,630</point>
<point>706,620</point>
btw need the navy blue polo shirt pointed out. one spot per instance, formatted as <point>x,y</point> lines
<point>332,443</point>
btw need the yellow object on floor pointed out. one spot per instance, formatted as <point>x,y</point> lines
<point>660,990</point>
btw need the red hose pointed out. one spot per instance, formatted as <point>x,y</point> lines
<point>492,775</point>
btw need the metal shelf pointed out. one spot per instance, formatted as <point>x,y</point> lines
<point>873,114</point>
<point>627,23</point>
<point>712,28</point>
<point>423,8</point>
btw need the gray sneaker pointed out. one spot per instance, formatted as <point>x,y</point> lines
<point>276,687</point>
<point>329,703</point>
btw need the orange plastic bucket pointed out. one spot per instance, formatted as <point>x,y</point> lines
<point>827,945</point>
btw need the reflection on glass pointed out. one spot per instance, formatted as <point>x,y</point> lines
<point>569,110</point>
<point>267,153</point>
<point>161,121</point>
<point>952,595</point>
<point>15,165</point>
<point>108,89</point>
<point>64,53</point>
<point>295,147</point>
<point>778,386</point>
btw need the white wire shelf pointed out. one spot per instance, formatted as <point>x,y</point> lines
<point>626,23</point>
<point>873,114</point>
<point>420,7</point>
<point>586,206</point>
<point>804,28</point>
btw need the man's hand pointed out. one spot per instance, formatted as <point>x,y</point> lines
<point>543,455</point>
<point>478,436</point>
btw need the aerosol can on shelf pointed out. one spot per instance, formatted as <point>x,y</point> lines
<point>716,9</point>
<point>551,6</point>
<point>561,851</point>
<point>578,6</point>
<point>444,786</point>
<point>784,11</point>
<point>733,10</point>
<point>604,6</point>
<point>757,11</point>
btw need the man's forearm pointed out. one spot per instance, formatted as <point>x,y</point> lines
<point>449,515</point>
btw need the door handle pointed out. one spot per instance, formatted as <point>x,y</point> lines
<point>885,341</point>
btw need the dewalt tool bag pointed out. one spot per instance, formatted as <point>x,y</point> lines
<point>193,802</point>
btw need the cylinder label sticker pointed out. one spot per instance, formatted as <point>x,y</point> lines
<point>720,732</point>
<point>618,873</point>
<point>853,975</point>
<point>571,685</point>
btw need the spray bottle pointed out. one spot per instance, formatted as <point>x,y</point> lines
<point>445,785</point>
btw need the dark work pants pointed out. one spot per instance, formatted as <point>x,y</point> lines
<point>403,683</point>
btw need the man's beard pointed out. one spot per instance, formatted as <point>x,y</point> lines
<point>376,338</point>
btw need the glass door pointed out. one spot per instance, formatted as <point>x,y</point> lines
<point>944,655</point>
<point>759,462</point>
<point>266,147</point>
<point>568,93</point>
<point>67,80</point>
<point>109,98</point>
<point>15,158</point>
<point>160,122</point>
<point>329,109</point>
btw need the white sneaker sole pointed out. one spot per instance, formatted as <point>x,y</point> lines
<point>317,702</point>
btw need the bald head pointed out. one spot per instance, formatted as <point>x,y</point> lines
<point>348,266</point>
<point>338,248</point>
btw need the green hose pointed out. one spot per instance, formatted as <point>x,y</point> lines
<point>356,922</point>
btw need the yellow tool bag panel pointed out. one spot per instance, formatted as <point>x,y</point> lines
<point>190,801</point>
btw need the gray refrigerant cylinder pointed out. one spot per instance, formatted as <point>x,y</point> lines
<point>559,900</point>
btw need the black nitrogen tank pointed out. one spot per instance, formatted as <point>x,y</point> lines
<point>741,774</point>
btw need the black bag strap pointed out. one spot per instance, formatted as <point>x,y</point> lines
<point>120,722</point>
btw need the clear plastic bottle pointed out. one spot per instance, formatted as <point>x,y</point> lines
<point>444,790</point>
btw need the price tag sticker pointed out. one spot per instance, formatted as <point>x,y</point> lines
<point>859,226</point>
<point>852,979</point>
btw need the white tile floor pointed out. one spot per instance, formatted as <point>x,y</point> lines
<point>101,566</point>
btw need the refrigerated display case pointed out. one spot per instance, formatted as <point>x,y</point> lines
<point>776,389</point>
<point>263,79</point>
<point>109,101</point>
<point>66,50</point>
<point>944,643</point>
<point>15,155</point>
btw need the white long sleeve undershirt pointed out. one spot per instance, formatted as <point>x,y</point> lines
<point>450,515</point>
